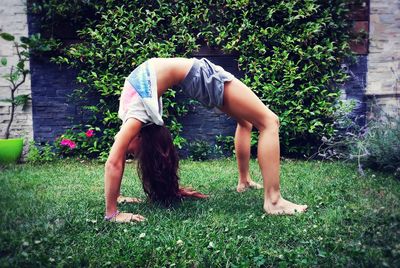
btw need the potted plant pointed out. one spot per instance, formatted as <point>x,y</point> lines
<point>11,149</point>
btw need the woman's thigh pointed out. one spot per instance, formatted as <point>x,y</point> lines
<point>242,104</point>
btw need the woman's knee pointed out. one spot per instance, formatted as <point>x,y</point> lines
<point>268,121</point>
<point>245,125</point>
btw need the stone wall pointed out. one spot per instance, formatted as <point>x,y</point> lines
<point>14,21</point>
<point>383,83</point>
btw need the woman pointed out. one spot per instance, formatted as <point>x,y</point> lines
<point>144,134</point>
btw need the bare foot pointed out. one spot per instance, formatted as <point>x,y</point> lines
<point>124,199</point>
<point>283,207</point>
<point>243,186</point>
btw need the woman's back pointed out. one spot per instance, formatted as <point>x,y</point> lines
<point>170,71</point>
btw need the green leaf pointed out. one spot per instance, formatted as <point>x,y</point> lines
<point>3,61</point>
<point>7,36</point>
<point>25,40</point>
<point>21,65</point>
<point>21,100</point>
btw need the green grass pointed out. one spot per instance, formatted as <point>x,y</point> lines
<point>52,215</point>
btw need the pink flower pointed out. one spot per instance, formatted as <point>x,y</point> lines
<point>65,142</point>
<point>68,142</point>
<point>72,145</point>
<point>89,133</point>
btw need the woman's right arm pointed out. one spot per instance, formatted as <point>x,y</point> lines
<point>114,169</point>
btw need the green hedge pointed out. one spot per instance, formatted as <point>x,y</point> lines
<point>290,52</point>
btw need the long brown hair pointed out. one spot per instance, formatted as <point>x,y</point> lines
<point>158,165</point>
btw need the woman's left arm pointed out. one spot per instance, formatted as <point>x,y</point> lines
<point>115,164</point>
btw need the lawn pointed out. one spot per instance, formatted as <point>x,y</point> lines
<point>52,215</point>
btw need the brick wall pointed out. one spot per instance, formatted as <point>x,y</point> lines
<point>53,111</point>
<point>14,21</point>
<point>383,83</point>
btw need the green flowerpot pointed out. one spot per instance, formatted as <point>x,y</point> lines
<point>10,150</point>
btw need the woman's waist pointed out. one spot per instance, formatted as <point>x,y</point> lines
<point>170,72</point>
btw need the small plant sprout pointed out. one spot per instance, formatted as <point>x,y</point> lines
<point>16,76</point>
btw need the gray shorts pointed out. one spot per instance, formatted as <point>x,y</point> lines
<point>205,83</point>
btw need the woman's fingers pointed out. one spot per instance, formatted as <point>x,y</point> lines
<point>185,192</point>
<point>137,217</point>
<point>200,195</point>
<point>129,217</point>
<point>125,199</point>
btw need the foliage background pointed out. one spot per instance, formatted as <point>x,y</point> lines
<point>290,52</point>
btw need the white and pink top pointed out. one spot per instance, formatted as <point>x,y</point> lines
<point>139,98</point>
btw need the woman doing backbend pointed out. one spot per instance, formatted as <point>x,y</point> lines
<point>144,134</point>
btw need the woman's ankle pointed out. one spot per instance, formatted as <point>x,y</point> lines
<point>272,197</point>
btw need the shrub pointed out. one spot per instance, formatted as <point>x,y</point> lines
<point>227,143</point>
<point>82,142</point>
<point>379,147</point>
<point>290,52</point>
<point>337,146</point>
<point>375,145</point>
<point>40,153</point>
<point>200,150</point>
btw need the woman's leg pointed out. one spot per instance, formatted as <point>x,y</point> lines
<point>242,149</point>
<point>241,103</point>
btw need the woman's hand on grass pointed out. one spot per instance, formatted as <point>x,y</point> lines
<point>126,199</point>
<point>189,192</point>
<point>128,217</point>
